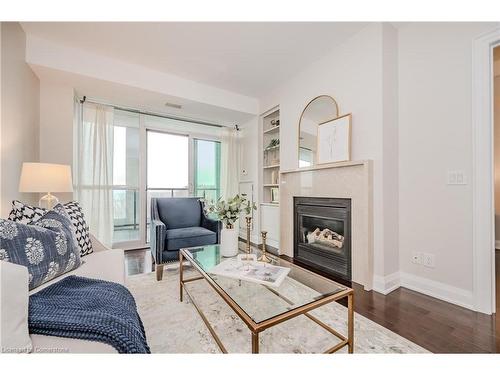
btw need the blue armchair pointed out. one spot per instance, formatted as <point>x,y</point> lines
<point>178,223</point>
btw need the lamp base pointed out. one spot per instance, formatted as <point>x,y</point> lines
<point>48,201</point>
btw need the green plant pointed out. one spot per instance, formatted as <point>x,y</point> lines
<point>274,142</point>
<point>229,211</point>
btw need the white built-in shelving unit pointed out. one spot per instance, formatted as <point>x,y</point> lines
<point>270,156</point>
<point>270,175</point>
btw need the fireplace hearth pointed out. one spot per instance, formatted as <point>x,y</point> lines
<point>322,235</point>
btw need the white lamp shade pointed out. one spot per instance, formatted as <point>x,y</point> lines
<point>45,178</point>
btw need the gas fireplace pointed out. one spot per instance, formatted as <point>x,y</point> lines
<point>322,234</point>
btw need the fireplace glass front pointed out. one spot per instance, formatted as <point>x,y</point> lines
<point>322,234</point>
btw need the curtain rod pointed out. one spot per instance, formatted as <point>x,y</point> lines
<point>170,117</point>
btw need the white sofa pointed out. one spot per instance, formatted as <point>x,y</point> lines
<point>103,263</point>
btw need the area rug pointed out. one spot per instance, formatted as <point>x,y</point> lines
<point>175,327</point>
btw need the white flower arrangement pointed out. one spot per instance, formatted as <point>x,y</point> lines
<point>229,211</point>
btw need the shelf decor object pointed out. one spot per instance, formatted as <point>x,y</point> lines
<point>275,195</point>
<point>46,178</point>
<point>274,177</point>
<point>334,140</point>
<point>264,258</point>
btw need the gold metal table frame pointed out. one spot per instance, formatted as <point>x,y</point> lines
<point>256,328</point>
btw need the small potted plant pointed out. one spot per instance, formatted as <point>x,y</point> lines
<point>229,211</point>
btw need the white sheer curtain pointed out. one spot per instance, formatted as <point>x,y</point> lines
<point>94,168</point>
<point>229,162</point>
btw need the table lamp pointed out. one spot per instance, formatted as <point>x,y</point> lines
<point>46,178</point>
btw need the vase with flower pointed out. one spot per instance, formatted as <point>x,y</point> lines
<point>228,212</point>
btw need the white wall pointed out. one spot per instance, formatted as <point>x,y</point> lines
<point>1,141</point>
<point>410,94</point>
<point>390,156</point>
<point>496,119</point>
<point>20,115</point>
<point>56,126</point>
<point>353,74</point>
<point>435,130</point>
<point>249,172</point>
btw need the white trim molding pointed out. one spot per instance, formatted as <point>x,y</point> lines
<point>386,284</point>
<point>483,251</point>
<point>445,292</point>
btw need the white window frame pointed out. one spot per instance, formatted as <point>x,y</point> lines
<point>143,189</point>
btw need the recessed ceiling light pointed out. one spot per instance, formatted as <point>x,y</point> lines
<point>173,105</point>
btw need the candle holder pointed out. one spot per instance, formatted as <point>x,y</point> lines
<point>264,257</point>
<point>249,222</point>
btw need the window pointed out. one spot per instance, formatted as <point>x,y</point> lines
<point>125,177</point>
<point>120,155</point>
<point>167,168</point>
<point>157,157</point>
<point>206,169</point>
<point>168,161</point>
<point>180,166</point>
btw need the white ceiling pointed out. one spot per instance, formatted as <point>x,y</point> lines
<point>131,97</point>
<point>246,58</point>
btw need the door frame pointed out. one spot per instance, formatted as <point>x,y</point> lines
<point>483,223</point>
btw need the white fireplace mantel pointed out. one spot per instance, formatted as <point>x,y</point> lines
<point>350,179</point>
<point>341,164</point>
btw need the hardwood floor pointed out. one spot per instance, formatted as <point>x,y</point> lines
<point>438,326</point>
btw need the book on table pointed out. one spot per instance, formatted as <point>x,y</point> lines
<point>253,271</point>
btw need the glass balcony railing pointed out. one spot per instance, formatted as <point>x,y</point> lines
<point>125,214</point>
<point>210,194</point>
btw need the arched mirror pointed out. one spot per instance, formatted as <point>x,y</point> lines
<point>321,109</point>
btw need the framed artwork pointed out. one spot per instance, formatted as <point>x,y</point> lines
<point>275,195</point>
<point>334,140</point>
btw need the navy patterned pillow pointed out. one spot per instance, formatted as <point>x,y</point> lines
<point>47,246</point>
<point>24,213</point>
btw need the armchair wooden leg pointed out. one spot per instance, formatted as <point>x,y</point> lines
<point>159,272</point>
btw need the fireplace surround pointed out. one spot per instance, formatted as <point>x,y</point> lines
<point>322,234</point>
<point>352,180</point>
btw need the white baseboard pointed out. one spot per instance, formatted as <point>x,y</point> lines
<point>273,243</point>
<point>445,292</point>
<point>386,284</point>
<point>497,245</point>
<point>253,237</point>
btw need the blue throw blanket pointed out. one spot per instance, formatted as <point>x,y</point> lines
<point>82,308</point>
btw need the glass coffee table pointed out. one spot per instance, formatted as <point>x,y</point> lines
<point>262,306</point>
